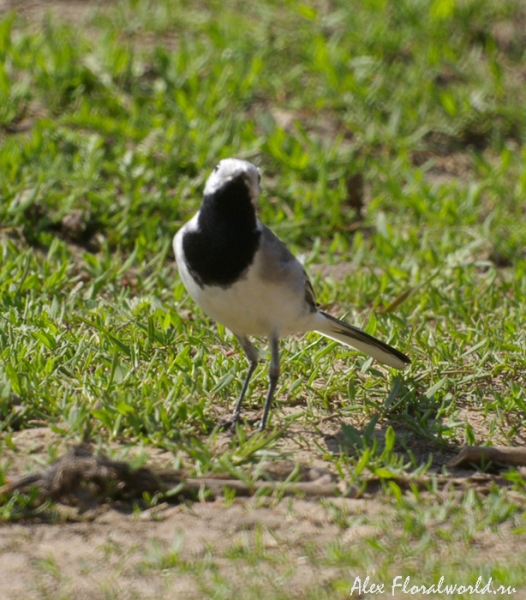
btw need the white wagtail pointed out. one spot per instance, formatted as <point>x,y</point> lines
<point>244,277</point>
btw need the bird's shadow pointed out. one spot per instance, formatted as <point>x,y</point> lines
<point>420,434</point>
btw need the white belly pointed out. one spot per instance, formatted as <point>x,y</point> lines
<point>249,307</point>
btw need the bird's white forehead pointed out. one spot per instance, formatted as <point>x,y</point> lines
<point>230,168</point>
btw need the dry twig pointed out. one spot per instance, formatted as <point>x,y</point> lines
<point>483,455</point>
<point>86,481</point>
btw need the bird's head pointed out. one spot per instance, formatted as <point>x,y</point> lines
<point>234,177</point>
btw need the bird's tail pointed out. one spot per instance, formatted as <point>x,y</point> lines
<point>358,339</point>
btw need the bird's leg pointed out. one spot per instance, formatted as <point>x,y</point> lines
<point>237,409</point>
<point>273,379</point>
<point>253,359</point>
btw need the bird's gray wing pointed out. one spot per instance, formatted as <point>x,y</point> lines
<point>279,265</point>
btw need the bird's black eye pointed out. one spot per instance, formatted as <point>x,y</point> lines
<point>259,177</point>
<point>216,168</point>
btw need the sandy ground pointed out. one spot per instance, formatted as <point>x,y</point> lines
<point>252,547</point>
<point>171,550</point>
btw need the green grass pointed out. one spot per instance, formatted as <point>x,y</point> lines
<point>117,124</point>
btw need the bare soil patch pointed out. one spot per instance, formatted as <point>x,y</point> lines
<point>177,548</point>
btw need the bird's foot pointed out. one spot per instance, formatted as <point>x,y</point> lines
<point>230,424</point>
<point>234,419</point>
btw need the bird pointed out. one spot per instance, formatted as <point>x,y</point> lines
<point>242,276</point>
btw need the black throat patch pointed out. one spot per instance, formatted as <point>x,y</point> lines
<point>226,240</point>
